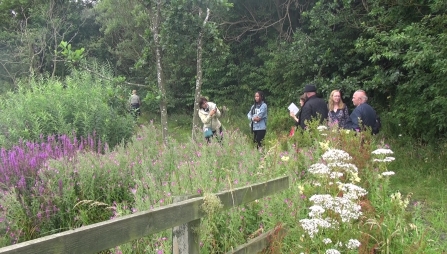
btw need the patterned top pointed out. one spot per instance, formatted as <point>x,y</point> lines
<point>340,116</point>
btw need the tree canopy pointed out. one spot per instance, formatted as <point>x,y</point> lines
<point>394,50</point>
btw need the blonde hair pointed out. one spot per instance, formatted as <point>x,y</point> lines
<point>341,105</point>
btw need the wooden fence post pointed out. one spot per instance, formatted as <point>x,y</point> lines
<point>185,238</point>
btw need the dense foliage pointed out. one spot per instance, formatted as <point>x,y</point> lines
<point>395,50</point>
<point>80,105</point>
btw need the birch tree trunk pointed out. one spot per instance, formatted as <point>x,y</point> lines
<point>160,79</point>
<point>195,118</point>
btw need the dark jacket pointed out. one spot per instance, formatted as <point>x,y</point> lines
<point>365,113</point>
<point>314,106</point>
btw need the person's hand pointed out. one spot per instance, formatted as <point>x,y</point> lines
<point>212,112</point>
<point>293,116</point>
<point>256,119</point>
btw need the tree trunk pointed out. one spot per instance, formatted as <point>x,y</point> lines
<point>160,78</point>
<point>195,118</point>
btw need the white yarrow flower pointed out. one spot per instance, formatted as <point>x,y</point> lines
<point>321,128</point>
<point>382,151</point>
<point>316,211</point>
<point>353,244</point>
<point>388,173</point>
<point>311,226</point>
<point>387,159</point>
<point>336,155</point>
<point>319,168</point>
<point>347,167</point>
<point>327,241</point>
<point>332,251</point>
<point>352,191</point>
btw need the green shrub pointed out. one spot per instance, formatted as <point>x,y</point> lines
<point>81,104</point>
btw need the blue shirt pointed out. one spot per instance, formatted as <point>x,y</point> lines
<point>363,112</point>
<point>260,110</point>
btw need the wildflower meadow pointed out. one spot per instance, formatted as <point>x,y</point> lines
<point>340,199</point>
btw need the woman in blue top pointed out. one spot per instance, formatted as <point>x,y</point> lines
<point>258,118</point>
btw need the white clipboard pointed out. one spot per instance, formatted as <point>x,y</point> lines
<point>293,108</point>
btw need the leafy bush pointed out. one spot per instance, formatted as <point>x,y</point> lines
<point>81,104</point>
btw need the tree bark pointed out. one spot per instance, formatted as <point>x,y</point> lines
<point>160,79</point>
<point>195,118</point>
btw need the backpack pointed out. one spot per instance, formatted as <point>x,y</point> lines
<point>377,125</point>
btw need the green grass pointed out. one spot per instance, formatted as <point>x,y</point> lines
<point>421,170</point>
<point>187,166</point>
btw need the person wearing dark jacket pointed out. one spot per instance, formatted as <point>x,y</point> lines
<point>313,108</point>
<point>363,115</point>
<point>303,99</point>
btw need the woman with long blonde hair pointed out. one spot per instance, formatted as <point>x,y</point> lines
<point>338,112</point>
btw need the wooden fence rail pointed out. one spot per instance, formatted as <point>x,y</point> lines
<point>109,234</point>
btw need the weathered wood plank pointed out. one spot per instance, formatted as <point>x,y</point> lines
<point>185,238</point>
<point>244,195</point>
<point>259,243</point>
<point>105,235</point>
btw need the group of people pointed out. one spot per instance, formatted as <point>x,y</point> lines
<point>312,108</point>
<point>335,111</point>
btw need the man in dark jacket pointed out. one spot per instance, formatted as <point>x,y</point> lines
<point>313,108</point>
<point>363,115</point>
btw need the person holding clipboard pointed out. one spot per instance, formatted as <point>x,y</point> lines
<point>294,110</point>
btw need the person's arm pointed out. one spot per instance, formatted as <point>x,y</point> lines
<point>206,118</point>
<point>250,115</point>
<point>306,114</point>
<point>353,121</point>
<point>262,112</point>
<point>293,116</point>
<point>218,114</point>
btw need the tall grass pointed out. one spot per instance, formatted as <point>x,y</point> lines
<point>90,187</point>
<point>81,105</point>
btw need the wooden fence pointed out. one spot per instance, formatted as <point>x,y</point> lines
<point>109,234</point>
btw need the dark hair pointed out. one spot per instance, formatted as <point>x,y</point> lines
<point>261,94</point>
<point>202,101</point>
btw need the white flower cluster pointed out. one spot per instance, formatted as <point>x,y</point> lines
<point>386,159</point>
<point>321,198</point>
<point>319,169</point>
<point>347,167</point>
<point>353,244</point>
<point>321,128</point>
<point>352,191</point>
<point>332,251</point>
<point>336,155</point>
<point>327,241</point>
<point>345,207</point>
<point>382,151</point>
<point>388,173</point>
<point>311,226</point>
<point>316,211</point>
<point>335,175</point>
